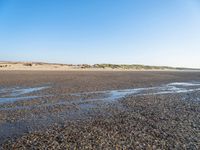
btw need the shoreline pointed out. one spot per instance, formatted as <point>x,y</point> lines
<point>92,70</point>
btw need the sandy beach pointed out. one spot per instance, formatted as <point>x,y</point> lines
<point>99,75</point>
<point>99,110</point>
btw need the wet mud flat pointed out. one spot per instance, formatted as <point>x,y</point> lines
<point>100,110</point>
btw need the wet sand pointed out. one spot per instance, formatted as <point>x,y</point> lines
<point>99,110</point>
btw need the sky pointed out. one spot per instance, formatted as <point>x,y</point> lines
<point>156,32</point>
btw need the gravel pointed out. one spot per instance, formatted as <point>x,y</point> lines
<point>168,121</point>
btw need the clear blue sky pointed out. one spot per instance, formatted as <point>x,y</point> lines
<point>152,32</point>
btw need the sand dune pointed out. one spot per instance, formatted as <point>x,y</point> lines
<point>69,67</point>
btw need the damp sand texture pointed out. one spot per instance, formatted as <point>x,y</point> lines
<point>99,110</point>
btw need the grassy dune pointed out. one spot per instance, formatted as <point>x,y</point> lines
<point>56,66</point>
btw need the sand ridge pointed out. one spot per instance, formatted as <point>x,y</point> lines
<point>28,66</point>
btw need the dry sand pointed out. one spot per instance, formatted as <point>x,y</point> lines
<point>34,66</point>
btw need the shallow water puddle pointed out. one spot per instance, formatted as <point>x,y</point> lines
<point>13,99</point>
<point>171,88</point>
<point>184,84</point>
<point>84,105</point>
<point>16,94</point>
